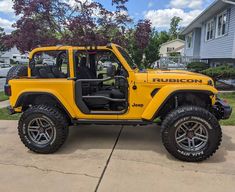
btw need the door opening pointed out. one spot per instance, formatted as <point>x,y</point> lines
<point>101,86</point>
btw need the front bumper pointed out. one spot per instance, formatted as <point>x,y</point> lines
<point>222,109</point>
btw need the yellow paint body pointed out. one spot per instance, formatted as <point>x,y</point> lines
<point>145,82</point>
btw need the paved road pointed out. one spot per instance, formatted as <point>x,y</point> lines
<point>108,158</point>
<point>2,83</point>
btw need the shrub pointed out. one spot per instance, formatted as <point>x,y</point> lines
<point>223,72</point>
<point>197,66</point>
<point>174,54</point>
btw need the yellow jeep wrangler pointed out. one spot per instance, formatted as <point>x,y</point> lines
<point>66,85</point>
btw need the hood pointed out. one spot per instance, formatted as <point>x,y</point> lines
<point>175,76</point>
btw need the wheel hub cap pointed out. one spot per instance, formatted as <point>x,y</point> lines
<point>40,131</point>
<point>191,136</point>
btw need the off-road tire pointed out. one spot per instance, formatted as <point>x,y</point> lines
<point>191,113</point>
<point>16,72</point>
<point>56,119</point>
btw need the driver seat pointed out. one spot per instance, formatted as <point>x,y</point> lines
<point>57,73</point>
<point>83,71</point>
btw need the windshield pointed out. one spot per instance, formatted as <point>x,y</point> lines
<point>127,58</point>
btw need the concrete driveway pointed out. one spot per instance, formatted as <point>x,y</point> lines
<point>108,158</point>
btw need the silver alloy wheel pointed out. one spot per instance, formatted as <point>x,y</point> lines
<point>40,131</point>
<point>192,136</point>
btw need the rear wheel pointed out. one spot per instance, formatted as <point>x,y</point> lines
<point>43,129</point>
<point>191,134</point>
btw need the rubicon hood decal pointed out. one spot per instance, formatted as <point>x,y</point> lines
<point>158,80</point>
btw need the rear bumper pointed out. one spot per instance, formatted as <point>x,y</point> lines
<point>222,109</point>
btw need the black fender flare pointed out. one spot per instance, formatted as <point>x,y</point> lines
<point>23,96</point>
<point>209,93</point>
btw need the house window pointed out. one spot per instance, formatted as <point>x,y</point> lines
<point>170,49</point>
<point>189,40</point>
<point>222,24</point>
<point>210,30</point>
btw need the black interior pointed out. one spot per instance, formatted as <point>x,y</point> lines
<point>49,71</point>
<point>46,72</point>
<point>96,94</point>
<point>84,72</point>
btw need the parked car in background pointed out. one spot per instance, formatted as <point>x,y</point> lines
<point>20,59</point>
<point>4,68</point>
<point>49,62</point>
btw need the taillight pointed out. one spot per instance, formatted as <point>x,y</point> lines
<point>7,90</point>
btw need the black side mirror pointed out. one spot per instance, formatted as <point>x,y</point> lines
<point>111,71</point>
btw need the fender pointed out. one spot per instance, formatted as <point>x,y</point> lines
<point>69,110</point>
<point>166,92</point>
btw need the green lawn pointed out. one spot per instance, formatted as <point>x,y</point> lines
<point>3,97</point>
<point>3,112</point>
<point>5,116</point>
<point>230,97</point>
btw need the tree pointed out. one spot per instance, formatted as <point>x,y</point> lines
<point>174,27</point>
<point>2,46</point>
<point>198,66</point>
<point>139,40</point>
<point>152,50</point>
<point>142,33</point>
<point>51,22</point>
<point>163,37</point>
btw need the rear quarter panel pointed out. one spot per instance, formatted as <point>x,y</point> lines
<point>62,89</point>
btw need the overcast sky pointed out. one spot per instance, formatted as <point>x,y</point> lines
<point>158,11</point>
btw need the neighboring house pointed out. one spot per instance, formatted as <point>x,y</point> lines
<point>172,47</point>
<point>211,36</point>
<point>13,54</point>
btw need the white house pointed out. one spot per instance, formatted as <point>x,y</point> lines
<point>174,46</point>
<point>211,36</point>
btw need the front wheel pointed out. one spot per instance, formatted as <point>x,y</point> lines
<point>43,129</point>
<point>191,134</point>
